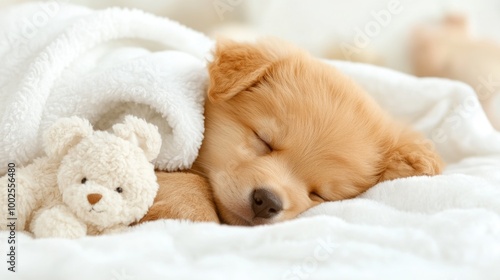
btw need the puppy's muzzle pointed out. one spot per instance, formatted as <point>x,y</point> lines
<point>265,204</point>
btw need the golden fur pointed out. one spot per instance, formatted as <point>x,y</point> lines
<point>278,119</point>
<point>182,196</point>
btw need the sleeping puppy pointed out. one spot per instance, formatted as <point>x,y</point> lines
<point>285,132</point>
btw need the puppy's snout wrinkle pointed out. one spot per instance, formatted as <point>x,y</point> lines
<point>265,204</point>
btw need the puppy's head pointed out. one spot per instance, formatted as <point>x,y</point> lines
<point>285,132</point>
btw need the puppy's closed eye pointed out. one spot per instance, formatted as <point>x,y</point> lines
<point>316,197</point>
<point>265,147</point>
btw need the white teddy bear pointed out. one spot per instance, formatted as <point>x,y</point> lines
<point>90,182</point>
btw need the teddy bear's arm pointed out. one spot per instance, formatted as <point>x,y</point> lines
<point>32,185</point>
<point>57,221</point>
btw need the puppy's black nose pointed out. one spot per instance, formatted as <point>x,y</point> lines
<point>265,204</point>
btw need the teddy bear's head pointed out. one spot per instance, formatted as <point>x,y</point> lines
<point>106,179</point>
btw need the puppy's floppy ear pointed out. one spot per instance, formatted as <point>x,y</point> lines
<point>412,155</point>
<point>236,67</point>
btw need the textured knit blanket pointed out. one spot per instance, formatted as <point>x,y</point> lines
<point>61,60</point>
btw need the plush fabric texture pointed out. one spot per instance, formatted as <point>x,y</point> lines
<point>60,60</point>
<point>90,182</point>
<point>443,227</point>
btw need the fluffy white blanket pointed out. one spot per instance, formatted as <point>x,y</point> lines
<point>61,60</point>
<point>445,227</point>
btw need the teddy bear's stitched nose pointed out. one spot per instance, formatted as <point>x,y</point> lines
<point>93,198</point>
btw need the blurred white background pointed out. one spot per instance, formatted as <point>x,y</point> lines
<point>321,26</point>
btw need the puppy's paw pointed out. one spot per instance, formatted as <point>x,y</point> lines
<point>424,163</point>
<point>412,164</point>
<point>412,158</point>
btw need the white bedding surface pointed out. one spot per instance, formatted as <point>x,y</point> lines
<point>443,227</point>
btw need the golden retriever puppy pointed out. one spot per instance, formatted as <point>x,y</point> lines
<point>285,132</point>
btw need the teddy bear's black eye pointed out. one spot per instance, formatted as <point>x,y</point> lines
<point>119,190</point>
<point>84,180</point>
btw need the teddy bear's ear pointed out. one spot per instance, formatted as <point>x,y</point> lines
<point>64,134</point>
<point>141,133</point>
